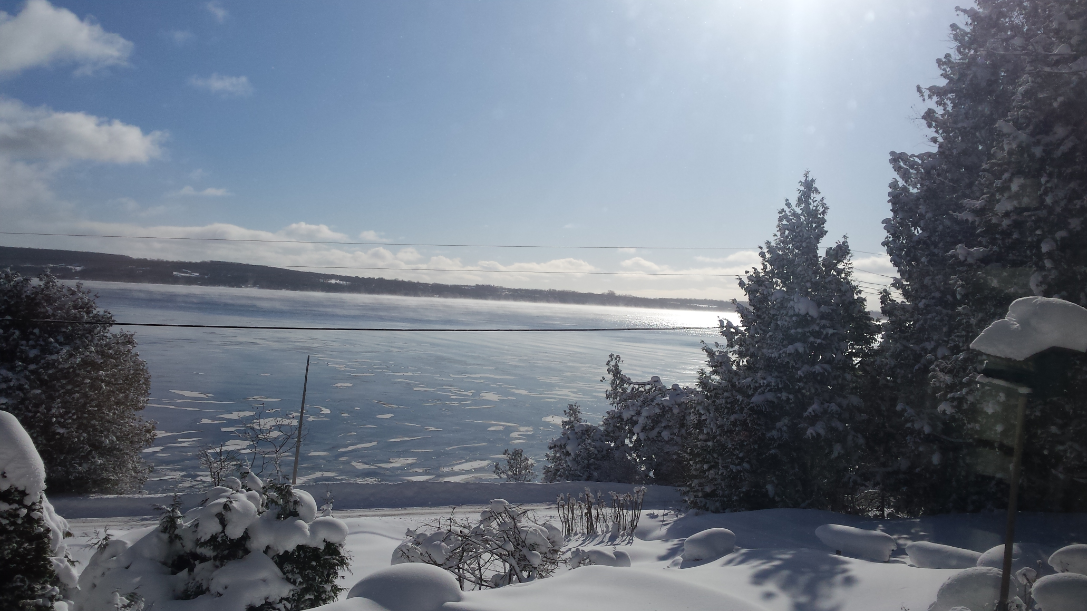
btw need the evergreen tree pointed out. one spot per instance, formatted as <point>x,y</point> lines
<point>992,214</point>
<point>76,387</point>
<point>782,419</point>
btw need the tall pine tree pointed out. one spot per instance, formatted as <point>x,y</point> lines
<point>781,422</point>
<point>992,214</point>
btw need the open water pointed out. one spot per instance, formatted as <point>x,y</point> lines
<point>383,406</point>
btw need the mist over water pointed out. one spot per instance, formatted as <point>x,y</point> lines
<point>382,405</point>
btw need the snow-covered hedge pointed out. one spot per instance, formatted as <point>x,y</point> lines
<point>505,546</point>
<point>250,546</point>
<point>35,570</point>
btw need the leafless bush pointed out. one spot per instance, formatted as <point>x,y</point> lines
<point>219,461</point>
<point>590,514</point>
<point>507,545</point>
<point>271,439</point>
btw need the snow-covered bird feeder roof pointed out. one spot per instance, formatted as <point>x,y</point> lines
<point>1034,325</point>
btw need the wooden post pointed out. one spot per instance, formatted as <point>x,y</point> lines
<point>1013,499</point>
<point>301,412</point>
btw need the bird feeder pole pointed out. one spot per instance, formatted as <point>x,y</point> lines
<point>1013,498</point>
<point>301,413</point>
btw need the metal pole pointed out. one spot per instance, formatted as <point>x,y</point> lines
<point>301,412</point>
<point>1013,500</point>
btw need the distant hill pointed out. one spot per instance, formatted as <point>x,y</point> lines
<point>78,265</point>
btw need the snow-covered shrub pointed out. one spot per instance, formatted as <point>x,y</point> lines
<point>649,422</point>
<point>1024,555</point>
<point>408,587</point>
<point>250,546</point>
<point>599,557</point>
<point>857,542</point>
<point>597,514</point>
<point>928,555</point>
<point>1070,559</point>
<point>76,387</point>
<point>1061,592</point>
<point>507,545</point>
<point>584,452</point>
<point>518,467</point>
<point>35,570</point>
<point>976,589</point>
<point>709,544</point>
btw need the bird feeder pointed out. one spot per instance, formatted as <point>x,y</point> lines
<point>1028,351</point>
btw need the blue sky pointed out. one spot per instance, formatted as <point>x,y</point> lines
<point>668,124</point>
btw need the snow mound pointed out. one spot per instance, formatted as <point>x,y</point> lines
<point>710,544</point>
<point>1061,592</point>
<point>928,555</point>
<point>976,589</point>
<point>599,557</point>
<point>1024,555</point>
<point>857,542</point>
<point>1034,324</point>
<point>20,465</point>
<point>1070,559</point>
<point>408,587</point>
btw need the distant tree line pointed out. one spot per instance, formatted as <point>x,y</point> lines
<point>75,265</point>
<point>809,402</point>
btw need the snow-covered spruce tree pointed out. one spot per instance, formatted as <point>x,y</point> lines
<point>993,214</point>
<point>251,546</point>
<point>650,422</point>
<point>35,570</point>
<point>781,420</point>
<point>584,452</point>
<point>77,388</point>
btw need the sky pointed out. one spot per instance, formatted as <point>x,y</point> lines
<point>674,129</point>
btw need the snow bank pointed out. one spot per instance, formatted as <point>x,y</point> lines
<point>408,587</point>
<point>710,544</point>
<point>1034,324</point>
<point>376,495</point>
<point>1070,559</point>
<point>20,465</point>
<point>857,542</point>
<point>928,555</point>
<point>1061,592</point>
<point>976,589</point>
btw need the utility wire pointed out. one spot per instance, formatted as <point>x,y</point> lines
<point>374,243</point>
<point>388,329</point>
<point>150,237</point>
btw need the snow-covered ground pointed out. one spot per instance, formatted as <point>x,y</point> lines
<point>779,563</point>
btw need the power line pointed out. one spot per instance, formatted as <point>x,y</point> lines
<point>383,329</point>
<point>371,243</point>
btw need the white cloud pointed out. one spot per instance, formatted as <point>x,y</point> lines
<point>229,86</point>
<point>217,11</point>
<point>43,35</point>
<point>372,236</point>
<point>188,191</point>
<point>42,133</point>
<point>316,233</point>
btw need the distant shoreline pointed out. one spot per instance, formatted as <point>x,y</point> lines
<point>103,267</point>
